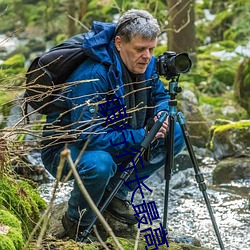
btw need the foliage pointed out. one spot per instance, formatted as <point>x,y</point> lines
<point>12,69</point>
<point>222,106</point>
<point>49,20</point>
<point>227,21</point>
<point>224,75</point>
<point>217,64</point>
<point>52,16</point>
<point>242,84</point>
<point>17,60</point>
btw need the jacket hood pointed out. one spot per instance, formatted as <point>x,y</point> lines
<point>98,43</point>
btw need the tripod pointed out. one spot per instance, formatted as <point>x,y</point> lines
<point>125,175</point>
<point>173,90</point>
<point>173,114</point>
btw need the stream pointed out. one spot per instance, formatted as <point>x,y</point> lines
<point>188,216</point>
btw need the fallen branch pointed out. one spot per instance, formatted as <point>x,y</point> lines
<point>46,216</point>
<point>65,154</point>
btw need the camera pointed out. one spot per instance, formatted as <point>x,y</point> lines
<point>171,65</point>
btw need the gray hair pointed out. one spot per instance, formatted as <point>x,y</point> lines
<point>137,22</point>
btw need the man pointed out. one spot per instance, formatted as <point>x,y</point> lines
<point>122,82</point>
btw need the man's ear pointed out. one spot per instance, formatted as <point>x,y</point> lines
<point>118,43</point>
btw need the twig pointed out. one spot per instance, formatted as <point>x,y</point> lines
<point>99,238</point>
<point>77,21</point>
<point>137,239</point>
<point>66,154</point>
<point>45,217</point>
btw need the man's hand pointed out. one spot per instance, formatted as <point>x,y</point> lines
<point>164,128</point>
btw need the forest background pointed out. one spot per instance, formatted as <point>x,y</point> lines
<point>214,33</point>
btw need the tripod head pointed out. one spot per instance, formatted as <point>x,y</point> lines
<point>174,89</point>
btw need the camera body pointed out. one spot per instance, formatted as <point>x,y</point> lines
<point>171,65</point>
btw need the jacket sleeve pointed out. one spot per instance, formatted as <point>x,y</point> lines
<point>87,122</point>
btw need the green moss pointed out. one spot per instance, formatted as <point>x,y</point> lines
<point>220,24</point>
<point>22,200</point>
<point>13,239</point>
<point>228,45</point>
<point>13,71</point>
<point>9,219</point>
<point>235,125</point>
<point>239,128</point>
<point>16,61</point>
<point>242,84</point>
<point>91,247</point>
<point>6,243</point>
<point>221,122</point>
<point>212,100</point>
<point>225,75</point>
<point>6,96</point>
<point>219,102</point>
<point>60,38</point>
<point>127,244</point>
<point>213,74</point>
<point>174,246</point>
<point>16,237</point>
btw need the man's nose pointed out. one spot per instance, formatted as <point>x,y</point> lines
<point>146,54</point>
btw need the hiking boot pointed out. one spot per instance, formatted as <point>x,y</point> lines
<point>121,210</point>
<point>75,231</point>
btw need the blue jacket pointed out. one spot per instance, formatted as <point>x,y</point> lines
<point>103,68</point>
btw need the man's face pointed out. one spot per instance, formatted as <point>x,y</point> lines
<point>137,53</point>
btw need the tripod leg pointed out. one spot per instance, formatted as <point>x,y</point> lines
<point>199,176</point>
<point>168,167</point>
<point>125,175</point>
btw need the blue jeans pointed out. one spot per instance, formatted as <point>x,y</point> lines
<point>99,170</point>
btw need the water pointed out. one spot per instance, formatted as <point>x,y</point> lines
<point>188,215</point>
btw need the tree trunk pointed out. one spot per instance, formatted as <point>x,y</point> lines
<point>83,7</point>
<point>71,6</point>
<point>181,27</point>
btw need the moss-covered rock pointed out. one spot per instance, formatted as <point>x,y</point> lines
<point>232,139</point>
<point>13,70</point>
<point>22,200</point>
<point>6,243</point>
<point>11,237</point>
<point>221,107</point>
<point>231,169</point>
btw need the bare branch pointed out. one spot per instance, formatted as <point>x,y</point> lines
<point>66,154</point>
<point>187,3</point>
<point>77,21</point>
